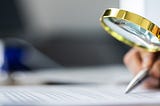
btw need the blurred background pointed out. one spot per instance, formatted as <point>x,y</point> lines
<point>38,34</point>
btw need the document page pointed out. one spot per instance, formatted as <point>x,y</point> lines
<point>107,95</point>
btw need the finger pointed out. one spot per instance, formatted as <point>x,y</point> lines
<point>148,58</point>
<point>155,70</point>
<point>133,61</point>
<point>151,82</point>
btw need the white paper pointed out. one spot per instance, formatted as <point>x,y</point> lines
<point>108,95</point>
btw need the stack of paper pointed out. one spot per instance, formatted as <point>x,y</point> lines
<point>77,95</point>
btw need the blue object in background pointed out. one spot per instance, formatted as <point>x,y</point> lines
<point>14,58</point>
<point>19,55</point>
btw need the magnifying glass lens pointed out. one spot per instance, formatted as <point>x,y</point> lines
<point>131,33</point>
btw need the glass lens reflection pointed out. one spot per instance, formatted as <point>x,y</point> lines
<point>136,30</point>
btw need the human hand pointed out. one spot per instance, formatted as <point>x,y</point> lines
<point>137,59</point>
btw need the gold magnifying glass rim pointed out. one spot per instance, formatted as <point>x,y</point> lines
<point>133,18</point>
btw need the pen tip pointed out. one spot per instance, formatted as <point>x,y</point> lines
<point>127,91</point>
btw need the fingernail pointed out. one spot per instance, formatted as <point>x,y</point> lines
<point>146,62</point>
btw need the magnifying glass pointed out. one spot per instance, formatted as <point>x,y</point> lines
<point>131,29</point>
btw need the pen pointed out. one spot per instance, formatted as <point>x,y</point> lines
<point>140,77</point>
